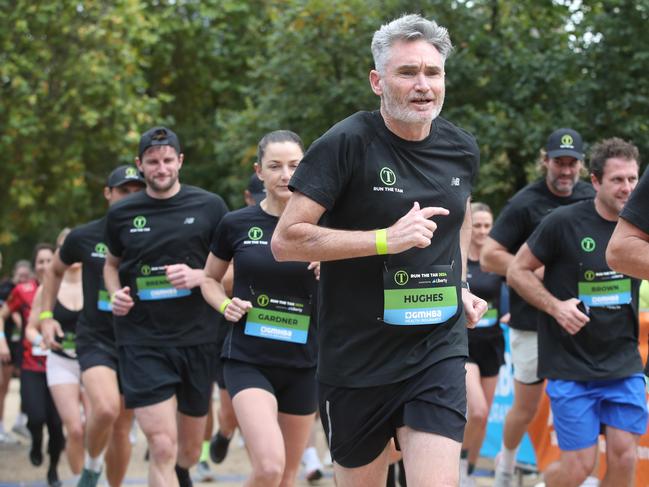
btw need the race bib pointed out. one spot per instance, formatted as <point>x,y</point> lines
<point>103,301</point>
<point>153,285</point>
<point>603,288</point>
<point>490,318</point>
<point>68,344</point>
<point>279,318</point>
<point>419,296</point>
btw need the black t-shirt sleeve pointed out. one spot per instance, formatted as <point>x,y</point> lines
<point>510,228</point>
<point>636,210</point>
<point>71,251</point>
<point>111,235</point>
<point>222,246</point>
<point>325,169</point>
<point>543,241</point>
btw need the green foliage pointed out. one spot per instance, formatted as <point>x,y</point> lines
<point>79,81</point>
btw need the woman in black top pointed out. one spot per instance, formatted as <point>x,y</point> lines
<point>486,344</point>
<point>63,374</point>
<point>269,352</point>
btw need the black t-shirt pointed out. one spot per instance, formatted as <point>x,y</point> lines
<point>149,234</point>
<point>571,243</point>
<point>85,244</point>
<point>367,178</point>
<point>515,224</point>
<point>636,209</point>
<point>290,341</point>
<point>486,285</point>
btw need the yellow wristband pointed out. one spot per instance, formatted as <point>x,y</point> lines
<point>381,241</point>
<point>45,315</point>
<point>224,305</point>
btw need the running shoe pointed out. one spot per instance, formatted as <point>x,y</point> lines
<point>53,478</point>
<point>21,430</point>
<point>204,473</point>
<point>35,455</point>
<point>503,479</point>
<point>219,447</point>
<point>6,439</point>
<point>89,478</point>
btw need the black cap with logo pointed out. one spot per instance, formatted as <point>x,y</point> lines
<point>124,174</point>
<point>158,136</point>
<point>256,188</point>
<point>565,142</point>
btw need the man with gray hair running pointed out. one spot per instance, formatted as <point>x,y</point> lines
<point>393,284</point>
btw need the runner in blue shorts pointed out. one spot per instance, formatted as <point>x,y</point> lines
<point>588,334</point>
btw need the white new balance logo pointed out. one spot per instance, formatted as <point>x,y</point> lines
<point>189,220</point>
<point>455,181</point>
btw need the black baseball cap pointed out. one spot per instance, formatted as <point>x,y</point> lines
<point>124,174</point>
<point>158,136</point>
<point>565,142</point>
<point>256,188</point>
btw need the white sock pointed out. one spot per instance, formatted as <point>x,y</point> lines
<point>590,482</point>
<point>311,460</point>
<point>94,464</point>
<point>21,419</point>
<point>507,458</point>
<point>2,427</point>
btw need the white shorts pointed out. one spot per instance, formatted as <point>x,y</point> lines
<point>61,370</point>
<point>524,346</point>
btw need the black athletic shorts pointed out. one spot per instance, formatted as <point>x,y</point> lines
<point>359,422</point>
<point>488,353</point>
<point>151,375</point>
<point>219,377</point>
<point>97,354</point>
<point>294,388</point>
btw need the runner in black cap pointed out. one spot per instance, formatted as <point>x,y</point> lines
<point>562,162</point>
<point>395,304</point>
<point>158,241</point>
<point>270,348</point>
<point>95,339</point>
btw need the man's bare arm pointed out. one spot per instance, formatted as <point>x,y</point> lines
<point>523,278</point>
<point>121,299</point>
<point>465,237</point>
<point>49,327</point>
<point>628,250</point>
<point>299,237</point>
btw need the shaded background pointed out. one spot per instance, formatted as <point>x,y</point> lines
<point>79,81</point>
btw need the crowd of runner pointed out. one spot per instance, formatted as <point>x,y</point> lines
<point>360,285</point>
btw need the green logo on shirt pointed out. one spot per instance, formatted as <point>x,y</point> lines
<point>387,176</point>
<point>255,233</point>
<point>139,222</point>
<point>401,278</point>
<point>589,275</point>
<point>587,244</point>
<point>101,248</point>
<point>145,270</point>
<point>263,300</point>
